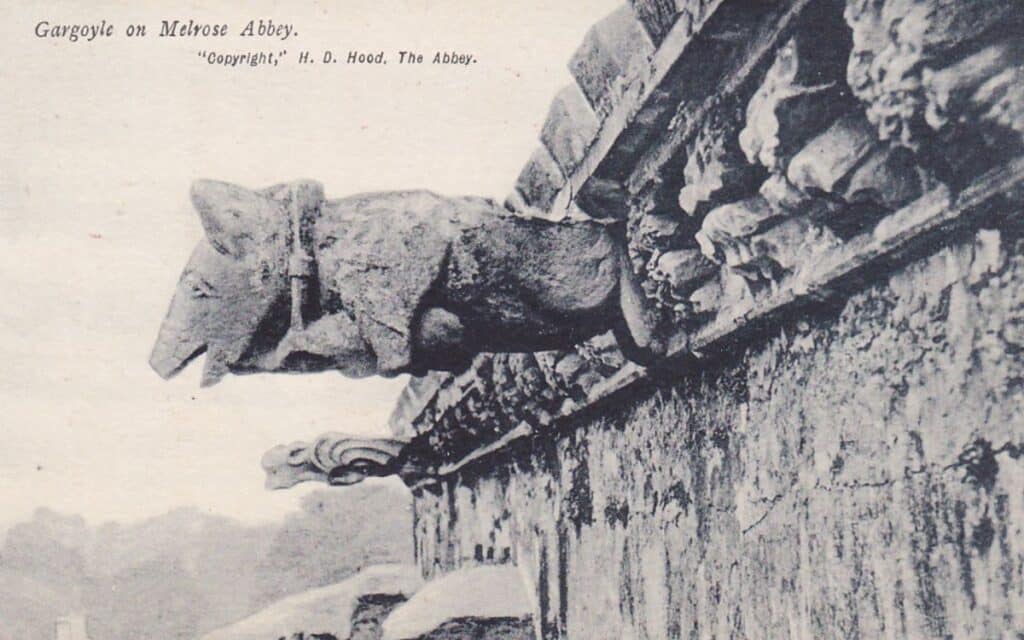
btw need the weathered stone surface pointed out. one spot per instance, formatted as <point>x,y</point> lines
<point>647,325</point>
<point>657,16</point>
<point>500,392</point>
<point>515,203</point>
<point>889,178</point>
<point>614,54</point>
<point>720,237</point>
<point>1000,100</point>
<point>412,402</point>
<point>949,90</point>
<point>782,250</point>
<point>478,602</point>
<point>661,249</point>
<point>407,282</point>
<point>351,609</point>
<point>895,39</point>
<point>801,94</point>
<point>540,179</point>
<point>569,128</point>
<point>219,302</point>
<point>785,199</point>
<point>982,87</point>
<point>830,156</point>
<point>716,171</point>
<point>752,239</point>
<point>858,474</point>
<point>677,273</point>
<point>655,231</point>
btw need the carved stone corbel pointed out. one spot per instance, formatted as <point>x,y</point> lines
<point>802,93</point>
<point>888,179</point>
<point>722,237</point>
<point>762,241</point>
<point>832,155</point>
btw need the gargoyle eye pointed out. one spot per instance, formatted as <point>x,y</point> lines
<point>298,455</point>
<point>200,288</point>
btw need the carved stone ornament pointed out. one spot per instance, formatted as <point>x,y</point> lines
<point>796,100</point>
<point>716,170</point>
<point>895,40</point>
<point>340,459</point>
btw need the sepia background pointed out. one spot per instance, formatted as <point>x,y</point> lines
<point>99,142</point>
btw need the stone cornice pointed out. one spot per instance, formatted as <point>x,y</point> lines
<point>765,156</point>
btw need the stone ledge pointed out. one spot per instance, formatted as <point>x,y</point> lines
<point>834,272</point>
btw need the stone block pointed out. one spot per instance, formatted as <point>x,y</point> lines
<point>614,54</point>
<point>540,180</point>
<point>569,129</point>
<point>657,16</point>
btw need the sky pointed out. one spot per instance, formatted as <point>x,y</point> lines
<point>99,142</point>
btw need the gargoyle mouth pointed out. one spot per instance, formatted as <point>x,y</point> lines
<point>169,362</point>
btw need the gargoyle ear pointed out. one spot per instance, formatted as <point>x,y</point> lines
<point>234,217</point>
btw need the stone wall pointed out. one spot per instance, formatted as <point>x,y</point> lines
<point>820,200</point>
<point>854,474</point>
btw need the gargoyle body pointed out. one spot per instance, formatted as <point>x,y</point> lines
<point>386,283</point>
<point>339,459</point>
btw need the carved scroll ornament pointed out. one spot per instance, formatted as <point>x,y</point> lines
<point>340,460</point>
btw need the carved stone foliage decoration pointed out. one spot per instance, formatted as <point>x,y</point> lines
<point>925,92</point>
<point>716,169</point>
<point>502,391</point>
<point>898,44</point>
<point>761,236</point>
<point>726,190</point>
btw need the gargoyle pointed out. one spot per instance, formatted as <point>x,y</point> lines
<point>389,283</point>
<point>339,459</point>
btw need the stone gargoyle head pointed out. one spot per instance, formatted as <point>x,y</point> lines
<point>232,298</point>
<point>338,460</point>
